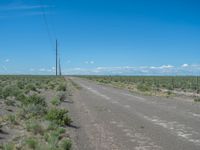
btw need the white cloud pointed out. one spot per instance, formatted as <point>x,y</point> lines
<point>163,67</point>
<point>89,62</point>
<point>136,70</point>
<point>47,70</point>
<point>185,65</point>
<point>185,69</point>
<point>166,67</point>
<point>153,67</point>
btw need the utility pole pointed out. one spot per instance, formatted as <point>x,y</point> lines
<point>56,57</point>
<point>60,72</point>
<point>197,85</point>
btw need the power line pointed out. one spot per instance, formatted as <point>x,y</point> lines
<point>46,24</point>
<point>53,19</point>
<point>51,39</point>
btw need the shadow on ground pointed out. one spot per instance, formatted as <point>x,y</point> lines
<point>68,101</point>
<point>74,126</point>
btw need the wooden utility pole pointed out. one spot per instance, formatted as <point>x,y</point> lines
<point>197,85</point>
<point>56,57</point>
<point>60,72</point>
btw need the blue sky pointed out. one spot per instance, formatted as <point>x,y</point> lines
<point>130,37</point>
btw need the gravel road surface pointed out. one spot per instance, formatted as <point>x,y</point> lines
<point>107,118</point>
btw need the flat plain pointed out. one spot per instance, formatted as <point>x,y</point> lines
<point>99,113</point>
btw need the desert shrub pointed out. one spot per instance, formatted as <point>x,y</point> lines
<point>55,101</point>
<point>33,110</point>
<point>61,130</point>
<point>62,96</point>
<point>38,85</point>
<point>45,87</point>
<point>43,146</point>
<point>12,119</point>
<point>32,143</point>
<point>52,126</point>
<point>66,144</point>
<point>21,84</point>
<point>58,116</point>
<point>169,87</point>
<point>31,87</point>
<point>10,90</point>
<point>36,100</point>
<point>197,99</point>
<point>34,127</point>
<point>8,146</point>
<point>46,136</point>
<point>53,139</point>
<point>143,88</point>
<point>169,93</point>
<point>21,97</point>
<point>9,102</point>
<point>1,92</point>
<point>61,87</point>
<point>51,85</point>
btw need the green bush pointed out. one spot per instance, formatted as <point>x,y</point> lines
<point>169,93</point>
<point>51,85</point>
<point>31,87</point>
<point>21,97</point>
<point>52,126</point>
<point>55,101</point>
<point>143,88</point>
<point>10,90</point>
<point>21,84</point>
<point>53,139</point>
<point>66,144</point>
<point>33,110</point>
<point>8,146</point>
<point>58,116</point>
<point>197,99</point>
<point>61,87</point>
<point>32,143</point>
<point>1,92</point>
<point>12,119</point>
<point>36,100</point>
<point>9,102</point>
<point>61,130</point>
<point>34,127</point>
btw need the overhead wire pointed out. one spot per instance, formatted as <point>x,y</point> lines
<point>50,35</point>
<point>52,9</point>
<point>51,39</point>
<point>53,19</point>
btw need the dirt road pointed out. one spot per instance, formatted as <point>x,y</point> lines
<point>107,118</point>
